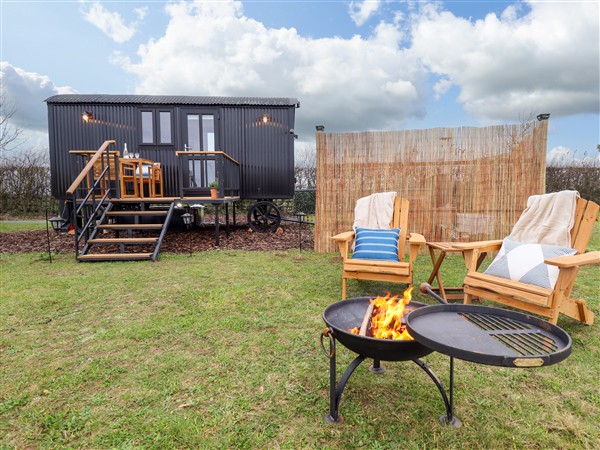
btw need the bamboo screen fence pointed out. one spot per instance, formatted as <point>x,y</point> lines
<point>464,184</point>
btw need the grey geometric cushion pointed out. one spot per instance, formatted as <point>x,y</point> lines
<point>525,262</point>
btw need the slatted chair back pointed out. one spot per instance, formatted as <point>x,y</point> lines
<point>586,214</point>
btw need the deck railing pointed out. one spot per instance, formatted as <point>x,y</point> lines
<point>198,169</point>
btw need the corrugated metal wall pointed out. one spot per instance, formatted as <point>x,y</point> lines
<point>265,151</point>
<point>67,131</point>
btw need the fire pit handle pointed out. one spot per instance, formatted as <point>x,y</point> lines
<point>327,332</point>
<point>425,288</point>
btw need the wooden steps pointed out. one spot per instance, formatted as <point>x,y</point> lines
<point>121,234</point>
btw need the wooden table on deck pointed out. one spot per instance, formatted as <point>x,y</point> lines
<point>137,166</point>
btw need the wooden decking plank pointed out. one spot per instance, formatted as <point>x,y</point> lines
<point>151,240</point>
<point>138,226</point>
<point>137,213</point>
<point>114,256</point>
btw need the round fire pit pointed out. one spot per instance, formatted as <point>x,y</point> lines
<point>478,334</point>
<point>344,315</point>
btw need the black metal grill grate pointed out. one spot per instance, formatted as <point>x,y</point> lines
<point>528,344</point>
<point>494,323</point>
<point>525,344</point>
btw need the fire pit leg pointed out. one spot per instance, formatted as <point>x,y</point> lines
<point>448,418</point>
<point>376,367</point>
<point>335,392</point>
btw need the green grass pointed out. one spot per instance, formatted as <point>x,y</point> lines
<point>221,350</point>
<point>7,226</point>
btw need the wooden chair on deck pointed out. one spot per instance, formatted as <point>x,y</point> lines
<point>152,177</point>
<point>399,270</point>
<point>110,174</point>
<point>157,180</point>
<point>544,301</point>
<point>128,179</point>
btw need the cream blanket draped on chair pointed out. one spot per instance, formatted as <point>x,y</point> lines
<point>374,211</point>
<point>548,219</point>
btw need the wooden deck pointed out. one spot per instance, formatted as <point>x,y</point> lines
<point>189,202</point>
<point>112,186</point>
<point>185,200</point>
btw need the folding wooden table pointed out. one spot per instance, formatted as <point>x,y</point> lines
<point>447,293</point>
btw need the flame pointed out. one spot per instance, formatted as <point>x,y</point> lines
<point>388,312</point>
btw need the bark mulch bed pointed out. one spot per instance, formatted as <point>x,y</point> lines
<point>199,239</point>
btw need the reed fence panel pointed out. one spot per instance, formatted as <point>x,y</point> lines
<point>464,184</point>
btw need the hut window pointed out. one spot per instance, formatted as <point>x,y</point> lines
<point>147,127</point>
<point>208,132</point>
<point>157,127</point>
<point>165,127</point>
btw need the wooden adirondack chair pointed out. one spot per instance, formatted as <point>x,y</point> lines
<point>544,302</point>
<point>391,271</point>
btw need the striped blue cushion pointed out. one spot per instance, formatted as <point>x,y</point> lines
<point>376,244</point>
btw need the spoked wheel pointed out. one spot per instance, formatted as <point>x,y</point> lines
<point>264,217</point>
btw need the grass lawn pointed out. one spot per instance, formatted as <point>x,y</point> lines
<point>22,225</point>
<point>221,350</point>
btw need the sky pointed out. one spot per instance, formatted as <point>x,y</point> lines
<point>353,65</point>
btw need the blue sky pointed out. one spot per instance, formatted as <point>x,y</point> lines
<point>354,66</point>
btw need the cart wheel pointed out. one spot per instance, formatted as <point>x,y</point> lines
<point>264,217</point>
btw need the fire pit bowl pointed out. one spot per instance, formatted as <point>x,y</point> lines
<point>347,314</point>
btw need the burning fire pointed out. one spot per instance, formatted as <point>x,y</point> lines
<point>386,321</point>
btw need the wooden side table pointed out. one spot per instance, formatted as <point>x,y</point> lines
<point>454,293</point>
<point>447,293</point>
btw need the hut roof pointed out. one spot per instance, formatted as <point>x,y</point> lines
<point>172,100</point>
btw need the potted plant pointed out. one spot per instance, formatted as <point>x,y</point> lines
<point>214,188</point>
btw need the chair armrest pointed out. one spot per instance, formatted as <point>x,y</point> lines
<point>415,238</point>
<point>575,261</point>
<point>475,252</point>
<point>481,246</point>
<point>343,240</point>
<point>343,237</point>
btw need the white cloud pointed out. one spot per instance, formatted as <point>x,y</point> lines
<point>545,61</point>
<point>345,84</point>
<point>564,156</point>
<point>141,12</point>
<point>111,23</point>
<point>27,92</point>
<point>560,155</point>
<point>360,12</point>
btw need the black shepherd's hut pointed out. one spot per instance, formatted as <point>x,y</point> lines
<point>256,132</point>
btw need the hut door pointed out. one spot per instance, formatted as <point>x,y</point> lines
<point>199,135</point>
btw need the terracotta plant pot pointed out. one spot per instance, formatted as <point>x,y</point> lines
<point>214,193</point>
